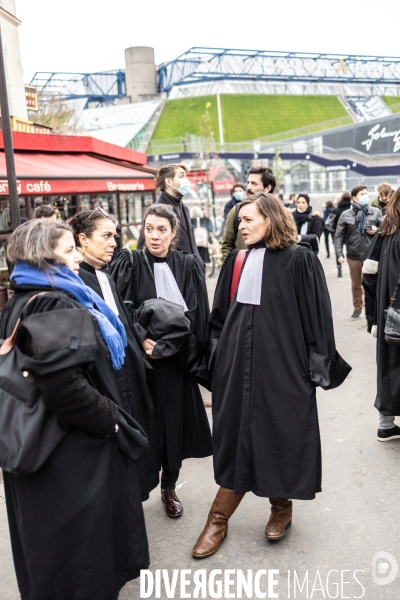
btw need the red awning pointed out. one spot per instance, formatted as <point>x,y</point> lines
<point>50,173</point>
<point>35,142</point>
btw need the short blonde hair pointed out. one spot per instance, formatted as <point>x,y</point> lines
<point>384,188</point>
<point>34,242</point>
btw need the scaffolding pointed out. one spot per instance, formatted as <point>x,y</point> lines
<point>202,66</point>
<point>98,88</point>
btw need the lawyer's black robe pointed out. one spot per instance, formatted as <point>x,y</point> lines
<point>380,287</point>
<point>76,525</point>
<point>130,379</point>
<point>265,422</point>
<point>182,425</point>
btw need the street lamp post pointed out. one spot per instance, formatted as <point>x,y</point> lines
<point>8,143</point>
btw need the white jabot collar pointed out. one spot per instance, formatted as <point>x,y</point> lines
<point>107,291</point>
<point>166,286</point>
<point>249,291</point>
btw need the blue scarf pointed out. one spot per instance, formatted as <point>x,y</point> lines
<point>63,278</point>
<point>361,216</point>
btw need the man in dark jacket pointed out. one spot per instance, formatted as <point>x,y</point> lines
<point>356,228</point>
<point>260,179</point>
<point>174,185</point>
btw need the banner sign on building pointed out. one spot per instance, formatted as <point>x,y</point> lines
<point>31,97</point>
<point>378,137</point>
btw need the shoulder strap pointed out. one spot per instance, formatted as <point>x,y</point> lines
<point>236,223</point>
<point>9,343</point>
<point>236,272</point>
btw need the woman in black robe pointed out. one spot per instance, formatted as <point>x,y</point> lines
<point>308,222</point>
<point>265,423</point>
<point>381,276</point>
<point>95,236</point>
<point>76,524</point>
<point>182,429</point>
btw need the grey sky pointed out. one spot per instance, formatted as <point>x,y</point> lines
<point>91,35</point>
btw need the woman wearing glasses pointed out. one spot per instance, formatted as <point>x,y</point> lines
<point>94,233</point>
<point>159,271</point>
<point>76,522</point>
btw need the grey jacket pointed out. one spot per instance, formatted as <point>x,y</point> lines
<point>165,323</point>
<point>347,233</point>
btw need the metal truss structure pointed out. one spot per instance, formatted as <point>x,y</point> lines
<point>206,65</point>
<point>101,88</point>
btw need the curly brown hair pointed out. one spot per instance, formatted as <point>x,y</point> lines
<point>391,222</point>
<point>87,222</point>
<point>281,232</point>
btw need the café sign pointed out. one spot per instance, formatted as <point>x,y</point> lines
<point>75,186</point>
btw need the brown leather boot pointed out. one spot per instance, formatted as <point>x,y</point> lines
<point>216,528</point>
<point>280,519</point>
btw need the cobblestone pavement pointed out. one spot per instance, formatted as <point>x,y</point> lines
<point>338,533</point>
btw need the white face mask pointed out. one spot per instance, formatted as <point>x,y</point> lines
<point>363,200</point>
<point>184,186</point>
<point>303,210</point>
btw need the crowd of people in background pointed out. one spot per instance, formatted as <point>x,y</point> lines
<point>117,342</point>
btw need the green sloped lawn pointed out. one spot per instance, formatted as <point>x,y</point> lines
<point>393,102</point>
<point>247,117</point>
<point>183,116</point>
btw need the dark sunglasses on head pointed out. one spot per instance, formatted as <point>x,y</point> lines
<point>103,212</point>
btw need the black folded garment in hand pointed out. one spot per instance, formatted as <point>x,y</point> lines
<point>163,322</point>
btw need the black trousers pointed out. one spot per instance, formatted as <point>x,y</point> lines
<point>326,235</point>
<point>168,478</point>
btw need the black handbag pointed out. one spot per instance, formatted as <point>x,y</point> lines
<point>392,321</point>
<point>29,431</point>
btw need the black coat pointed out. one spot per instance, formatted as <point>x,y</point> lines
<point>341,207</point>
<point>131,378</point>
<point>182,425</point>
<point>380,287</point>
<point>314,227</point>
<point>265,422</point>
<point>229,205</point>
<point>77,526</point>
<point>184,241</point>
<point>164,322</point>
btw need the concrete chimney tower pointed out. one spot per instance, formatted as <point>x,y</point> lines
<point>140,73</point>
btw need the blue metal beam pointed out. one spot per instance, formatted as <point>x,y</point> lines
<point>204,65</point>
<point>103,87</point>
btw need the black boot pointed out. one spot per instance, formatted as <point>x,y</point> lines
<point>339,271</point>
